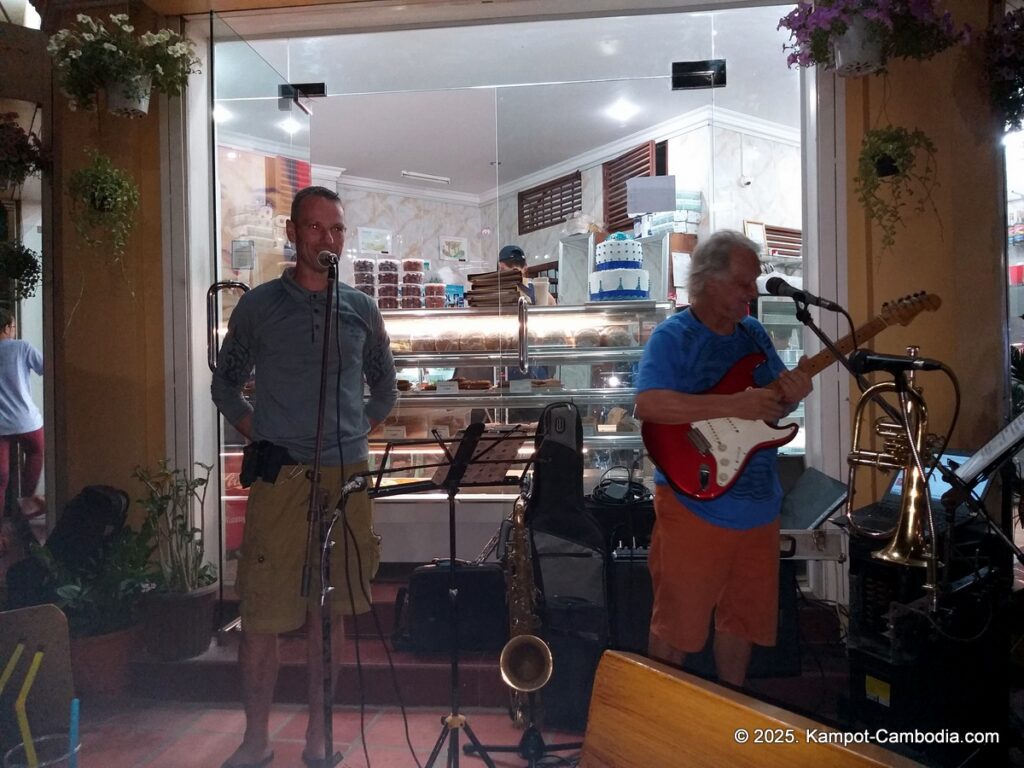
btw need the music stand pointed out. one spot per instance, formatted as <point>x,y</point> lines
<point>478,460</point>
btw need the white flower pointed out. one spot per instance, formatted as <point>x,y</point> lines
<point>110,46</point>
<point>74,53</point>
<point>159,69</point>
<point>88,38</point>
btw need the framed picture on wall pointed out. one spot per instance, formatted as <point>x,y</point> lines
<point>755,231</point>
<point>375,241</point>
<point>453,248</point>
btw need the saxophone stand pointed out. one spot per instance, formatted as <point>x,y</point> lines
<point>531,746</point>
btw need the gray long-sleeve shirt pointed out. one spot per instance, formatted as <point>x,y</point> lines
<point>278,328</point>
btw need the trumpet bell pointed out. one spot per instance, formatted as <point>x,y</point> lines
<point>526,663</point>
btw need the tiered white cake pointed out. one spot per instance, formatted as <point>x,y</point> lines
<point>618,272</point>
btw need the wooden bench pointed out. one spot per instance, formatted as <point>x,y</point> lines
<point>647,715</point>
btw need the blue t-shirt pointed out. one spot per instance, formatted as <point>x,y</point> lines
<point>685,356</point>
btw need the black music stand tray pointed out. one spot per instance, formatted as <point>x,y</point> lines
<point>478,460</point>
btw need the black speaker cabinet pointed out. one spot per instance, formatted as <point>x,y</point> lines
<point>631,598</point>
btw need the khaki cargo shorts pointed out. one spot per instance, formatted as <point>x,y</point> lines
<point>274,545</point>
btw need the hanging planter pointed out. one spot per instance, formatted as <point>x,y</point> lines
<point>103,203</point>
<point>857,51</point>
<point>895,167</point>
<point>1004,68</point>
<point>129,98</point>
<point>93,56</point>
<point>857,37</point>
<point>20,269</point>
<point>21,153</point>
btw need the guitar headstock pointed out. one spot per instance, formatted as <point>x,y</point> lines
<point>905,309</point>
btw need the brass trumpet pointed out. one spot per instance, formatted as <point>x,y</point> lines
<point>911,540</point>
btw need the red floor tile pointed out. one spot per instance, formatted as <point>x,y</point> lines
<point>196,749</point>
<point>232,719</point>
<point>345,725</point>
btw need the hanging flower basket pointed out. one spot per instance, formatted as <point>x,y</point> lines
<point>855,37</point>
<point>21,153</point>
<point>1004,68</point>
<point>92,55</point>
<point>129,98</point>
<point>20,269</point>
<point>857,51</point>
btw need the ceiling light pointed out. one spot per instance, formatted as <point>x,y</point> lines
<point>426,177</point>
<point>290,126</point>
<point>221,114</point>
<point>622,110</point>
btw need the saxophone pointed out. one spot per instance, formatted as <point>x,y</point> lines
<point>525,662</point>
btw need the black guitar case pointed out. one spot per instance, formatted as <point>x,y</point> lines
<point>569,556</point>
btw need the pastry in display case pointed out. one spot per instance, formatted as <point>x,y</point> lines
<point>588,353</point>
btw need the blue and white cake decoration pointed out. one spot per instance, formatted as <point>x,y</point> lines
<point>618,273</point>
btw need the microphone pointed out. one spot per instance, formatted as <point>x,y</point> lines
<point>355,484</point>
<point>327,258</point>
<point>863,361</point>
<point>776,286</point>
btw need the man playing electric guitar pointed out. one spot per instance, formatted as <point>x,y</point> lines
<point>719,554</point>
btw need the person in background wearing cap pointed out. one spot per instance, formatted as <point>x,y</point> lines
<point>512,257</point>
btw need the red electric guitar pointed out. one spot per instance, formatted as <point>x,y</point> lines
<point>703,459</point>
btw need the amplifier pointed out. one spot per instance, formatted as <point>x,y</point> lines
<point>631,598</point>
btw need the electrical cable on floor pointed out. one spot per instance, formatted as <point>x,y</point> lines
<point>391,663</point>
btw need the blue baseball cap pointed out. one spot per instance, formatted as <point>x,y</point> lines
<point>511,253</point>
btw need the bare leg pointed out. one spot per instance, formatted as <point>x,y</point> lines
<point>314,669</point>
<point>659,650</point>
<point>258,659</point>
<point>732,657</point>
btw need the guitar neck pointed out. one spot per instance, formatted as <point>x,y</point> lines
<point>819,362</point>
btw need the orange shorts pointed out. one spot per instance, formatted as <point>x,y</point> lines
<point>697,567</point>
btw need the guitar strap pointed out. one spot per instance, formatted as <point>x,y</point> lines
<point>754,339</point>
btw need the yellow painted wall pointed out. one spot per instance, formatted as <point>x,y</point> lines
<point>955,251</point>
<point>107,317</point>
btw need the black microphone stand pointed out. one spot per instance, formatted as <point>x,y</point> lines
<point>317,520</point>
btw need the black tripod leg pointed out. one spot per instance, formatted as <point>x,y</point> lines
<point>478,748</point>
<point>441,738</point>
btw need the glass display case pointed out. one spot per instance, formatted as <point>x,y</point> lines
<point>462,365</point>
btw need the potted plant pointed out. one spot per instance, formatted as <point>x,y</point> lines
<point>894,165</point>
<point>92,56</point>
<point>21,152</point>
<point>179,612</point>
<point>856,37</point>
<point>103,203</point>
<point>102,600</point>
<point>1004,67</point>
<point>19,268</point>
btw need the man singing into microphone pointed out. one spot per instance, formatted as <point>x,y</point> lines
<point>278,329</point>
<point>721,555</point>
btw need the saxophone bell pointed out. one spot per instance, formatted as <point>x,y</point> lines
<point>526,663</point>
